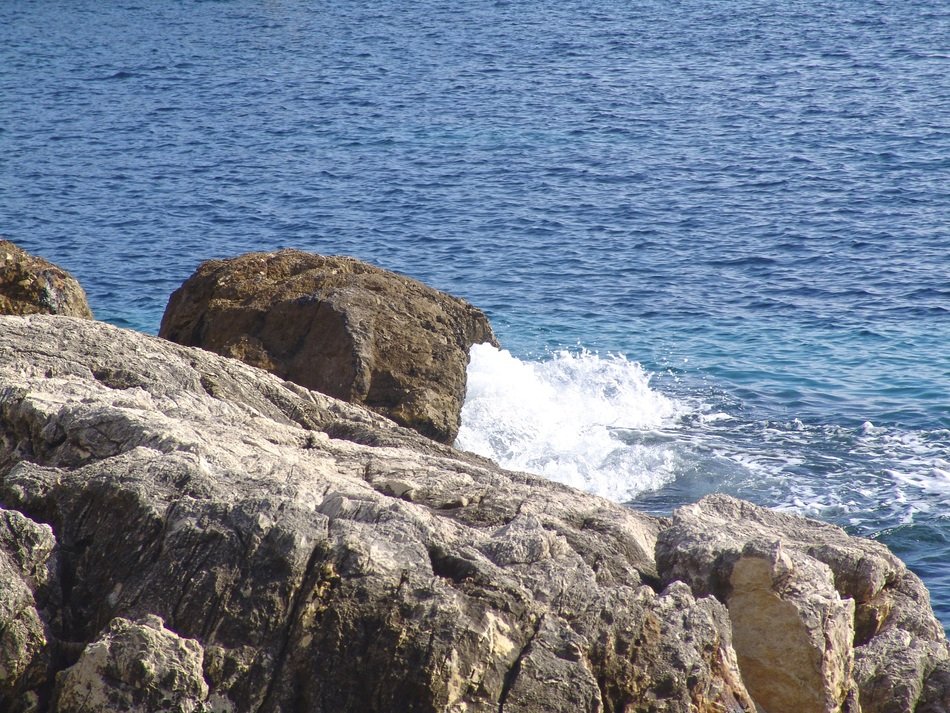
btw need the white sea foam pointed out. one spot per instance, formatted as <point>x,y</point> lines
<point>570,418</point>
<point>865,477</point>
<point>595,423</point>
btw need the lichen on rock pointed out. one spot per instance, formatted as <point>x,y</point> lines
<point>32,285</point>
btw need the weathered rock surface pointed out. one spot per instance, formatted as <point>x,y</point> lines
<point>936,694</point>
<point>227,541</point>
<point>821,621</point>
<point>339,326</point>
<point>135,667</point>
<point>32,285</point>
<point>323,558</point>
<point>27,580</point>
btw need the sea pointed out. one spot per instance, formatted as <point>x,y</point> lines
<point>713,237</point>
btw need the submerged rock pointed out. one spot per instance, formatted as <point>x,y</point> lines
<point>32,285</point>
<point>307,554</point>
<point>337,325</point>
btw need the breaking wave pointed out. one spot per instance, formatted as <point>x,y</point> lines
<point>567,418</point>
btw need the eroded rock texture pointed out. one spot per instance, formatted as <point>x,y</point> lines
<point>32,285</point>
<point>310,555</point>
<point>135,667</point>
<point>821,621</point>
<point>337,325</point>
<point>184,532</point>
<point>28,607</point>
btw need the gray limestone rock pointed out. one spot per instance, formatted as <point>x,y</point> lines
<point>28,591</point>
<point>322,557</point>
<point>135,667</point>
<point>182,531</point>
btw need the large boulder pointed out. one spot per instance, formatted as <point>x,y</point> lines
<point>32,285</point>
<point>821,621</point>
<point>320,557</point>
<point>339,326</point>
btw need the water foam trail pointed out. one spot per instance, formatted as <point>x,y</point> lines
<point>595,423</point>
<point>868,479</point>
<point>561,419</point>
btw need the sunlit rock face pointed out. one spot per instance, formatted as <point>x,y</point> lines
<point>821,621</point>
<point>182,531</point>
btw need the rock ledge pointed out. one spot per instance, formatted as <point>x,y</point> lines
<point>180,531</point>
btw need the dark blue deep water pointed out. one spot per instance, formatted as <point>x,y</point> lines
<point>734,215</point>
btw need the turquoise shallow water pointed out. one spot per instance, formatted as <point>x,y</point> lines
<point>739,209</point>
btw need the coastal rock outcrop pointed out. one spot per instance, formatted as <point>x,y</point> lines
<point>27,589</point>
<point>339,326</point>
<point>321,557</point>
<point>191,533</point>
<point>821,621</point>
<point>135,667</point>
<point>32,285</point>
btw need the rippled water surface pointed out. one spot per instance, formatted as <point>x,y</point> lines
<point>738,208</point>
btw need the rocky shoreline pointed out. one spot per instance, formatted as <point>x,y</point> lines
<point>180,531</point>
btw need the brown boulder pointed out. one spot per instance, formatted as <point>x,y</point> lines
<point>339,326</point>
<point>32,285</point>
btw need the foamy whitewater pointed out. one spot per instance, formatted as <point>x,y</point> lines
<point>594,422</point>
<point>658,441</point>
<point>562,418</point>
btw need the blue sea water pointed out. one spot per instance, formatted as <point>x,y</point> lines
<point>714,237</point>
